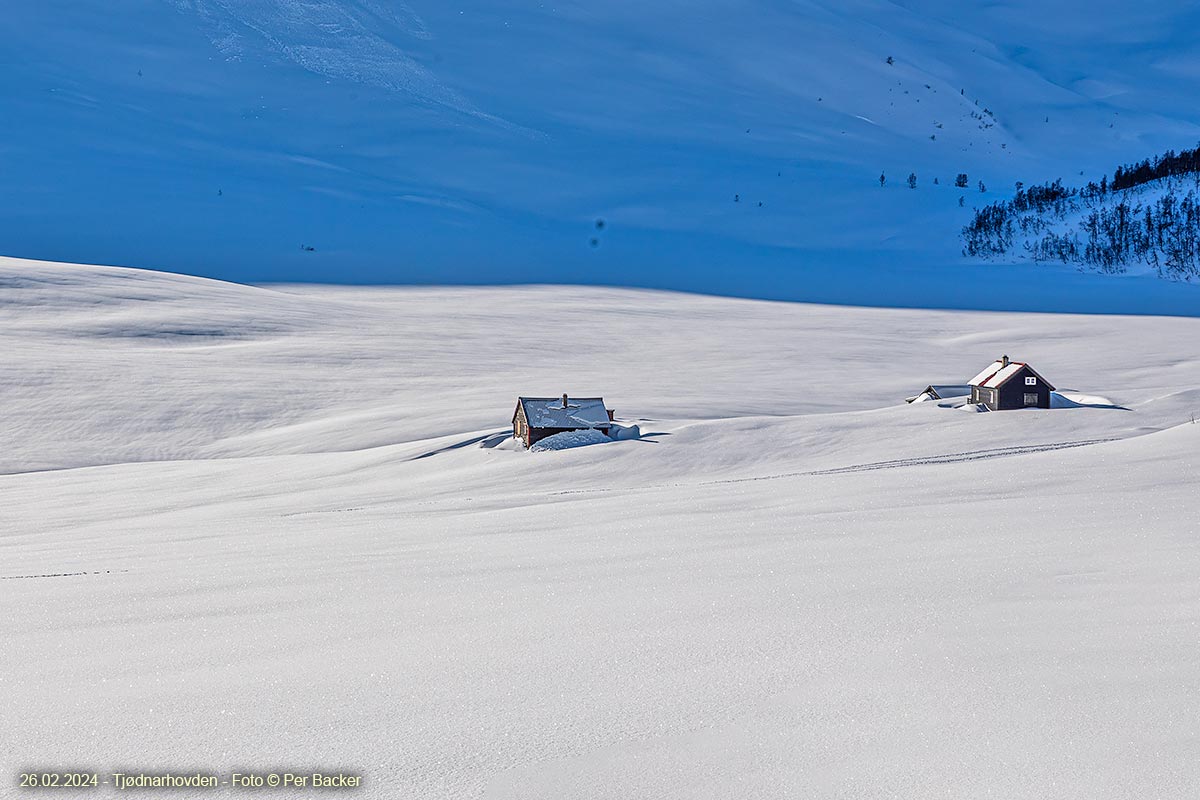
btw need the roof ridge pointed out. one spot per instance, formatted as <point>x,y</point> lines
<point>984,382</point>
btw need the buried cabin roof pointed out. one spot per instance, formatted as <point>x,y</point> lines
<point>998,373</point>
<point>581,412</point>
<point>947,390</point>
<point>942,391</point>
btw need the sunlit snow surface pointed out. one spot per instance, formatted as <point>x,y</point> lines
<point>285,526</point>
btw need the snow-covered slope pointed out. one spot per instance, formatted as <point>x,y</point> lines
<point>111,365</point>
<point>479,142</point>
<point>794,584</point>
<point>1153,227</point>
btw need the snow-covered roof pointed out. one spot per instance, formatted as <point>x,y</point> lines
<point>941,391</point>
<point>997,374</point>
<point>581,412</point>
<point>946,390</point>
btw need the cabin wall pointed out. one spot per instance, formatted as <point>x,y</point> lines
<point>984,396</point>
<point>520,428</point>
<point>1011,396</point>
<point>1012,393</point>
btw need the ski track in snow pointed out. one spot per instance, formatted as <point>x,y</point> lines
<point>953,458</point>
<point>60,575</point>
<point>949,458</point>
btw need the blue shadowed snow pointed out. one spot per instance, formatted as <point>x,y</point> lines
<point>366,141</point>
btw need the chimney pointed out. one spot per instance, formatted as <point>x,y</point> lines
<point>565,395</point>
<point>1003,362</point>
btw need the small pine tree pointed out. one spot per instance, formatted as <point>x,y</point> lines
<point>961,180</point>
<point>891,60</point>
<point>912,180</point>
<point>882,180</point>
<point>982,188</point>
<point>960,201</point>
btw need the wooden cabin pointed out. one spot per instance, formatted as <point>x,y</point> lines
<point>1006,385</point>
<point>538,417</point>
<point>939,391</point>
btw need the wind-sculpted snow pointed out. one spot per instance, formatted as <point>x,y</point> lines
<point>129,365</point>
<point>329,38</point>
<point>332,554</point>
<point>730,148</point>
<point>569,440</point>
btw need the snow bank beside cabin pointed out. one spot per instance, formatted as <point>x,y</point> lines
<point>973,408</point>
<point>569,439</point>
<point>621,433</point>
<point>1079,400</point>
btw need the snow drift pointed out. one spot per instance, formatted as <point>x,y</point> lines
<point>569,439</point>
<point>287,548</point>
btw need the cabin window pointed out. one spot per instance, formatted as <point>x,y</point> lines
<point>1030,399</point>
<point>1031,381</point>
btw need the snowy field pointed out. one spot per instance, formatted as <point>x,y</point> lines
<point>250,527</point>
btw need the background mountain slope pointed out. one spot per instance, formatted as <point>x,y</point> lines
<point>480,142</point>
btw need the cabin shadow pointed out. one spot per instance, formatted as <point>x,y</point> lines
<point>649,438</point>
<point>492,439</point>
<point>486,440</point>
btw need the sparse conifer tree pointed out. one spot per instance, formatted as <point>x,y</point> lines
<point>1160,231</point>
